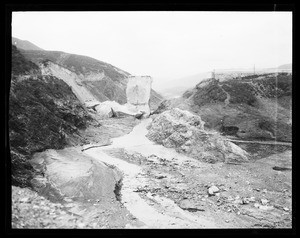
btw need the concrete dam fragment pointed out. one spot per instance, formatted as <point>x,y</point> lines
<point>138,94</point>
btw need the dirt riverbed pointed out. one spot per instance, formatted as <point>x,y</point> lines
<point>160,189</point>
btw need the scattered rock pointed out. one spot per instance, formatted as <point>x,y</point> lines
<point>230,199</point>
<point>212,190</point>
<point>38,182</point>
<point>238,201</point>
<point>24,200</point>
<point>190,205</point>
<point>264,201</point>
<point>262,207</point>
<point>251,199</point>
<point>81,225</point>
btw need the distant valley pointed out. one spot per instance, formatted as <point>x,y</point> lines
<point>176,87</point>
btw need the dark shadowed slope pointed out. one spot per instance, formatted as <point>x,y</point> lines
<point>43,113</point>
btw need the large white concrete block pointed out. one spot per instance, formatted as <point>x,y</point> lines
<point>138,93</point>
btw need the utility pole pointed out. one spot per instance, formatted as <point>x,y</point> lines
<point>254,69</point>
<point>213,75</point>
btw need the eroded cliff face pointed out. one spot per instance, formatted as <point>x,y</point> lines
<point>70,78</point>
<point>43,113</point>
<point>104,81</point>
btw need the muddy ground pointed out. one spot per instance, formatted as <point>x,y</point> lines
<point>161,188</point>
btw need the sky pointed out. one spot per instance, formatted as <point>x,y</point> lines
<point>167,44</point>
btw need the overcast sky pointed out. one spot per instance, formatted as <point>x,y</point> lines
<point>164,44</point>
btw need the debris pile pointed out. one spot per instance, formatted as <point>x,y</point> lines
<point>185,132</point>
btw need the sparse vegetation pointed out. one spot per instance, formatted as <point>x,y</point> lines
<point>240,92</point>
<point>212,93</point>
<point>259,105</point>
<point>43,112</point>
<point>20,65</point>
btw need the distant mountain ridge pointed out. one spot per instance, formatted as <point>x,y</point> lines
<point>285,66</point>
<point>24,44</point>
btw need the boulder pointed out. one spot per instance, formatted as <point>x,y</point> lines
<point>212,190</point>
<point>109,109</point>
<point>105,109</point>
<point>85,177</point>
<point>138,94</point>
<point>191,205</point>
<point>185,132</point>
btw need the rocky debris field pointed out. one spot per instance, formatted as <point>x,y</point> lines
<point>33,211</point>
<point>159,187</point>
<point>233,196</point>
<point>30,210</point>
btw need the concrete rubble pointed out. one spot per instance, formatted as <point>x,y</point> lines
<point>138,96</point>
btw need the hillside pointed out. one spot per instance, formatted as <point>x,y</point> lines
<point>251,107</point>
<point>24,44</point>
<point>103,80</point>
<point>43,113</point>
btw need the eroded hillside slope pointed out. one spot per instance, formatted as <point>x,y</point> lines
<point>43,113</point>
<point>103,80</point>
<point>251,107</point>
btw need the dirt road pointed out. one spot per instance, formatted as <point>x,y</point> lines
<point>262,142</point>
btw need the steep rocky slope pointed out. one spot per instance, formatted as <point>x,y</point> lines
<point>251,107</point>
<point>43,113</point>
<point>103,80</point>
